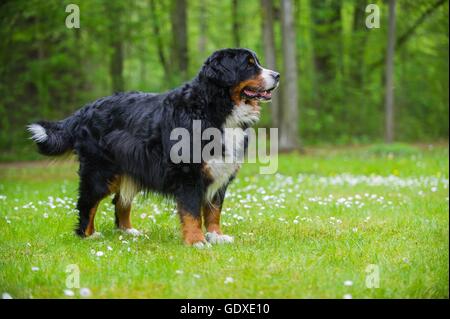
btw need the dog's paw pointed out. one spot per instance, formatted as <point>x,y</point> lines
<point>201,245</point>
<point>215,238</point>
<point>95,235</point>
<point>132,231</point>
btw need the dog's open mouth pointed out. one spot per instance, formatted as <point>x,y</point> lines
<point>257,94</point>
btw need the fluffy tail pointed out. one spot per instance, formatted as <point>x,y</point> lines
<point>50,137</point>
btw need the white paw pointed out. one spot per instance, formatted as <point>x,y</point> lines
<point>201,245</point>
<point>95,235</point>
<point>132,231</point>
<point>215,238</point>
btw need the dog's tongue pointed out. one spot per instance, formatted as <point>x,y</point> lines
<point>251,93</point>
<point>264,94</point>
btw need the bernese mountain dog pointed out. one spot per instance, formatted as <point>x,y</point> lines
<point>123,144</point>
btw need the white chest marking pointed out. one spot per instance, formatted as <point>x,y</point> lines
<point>222,167</point>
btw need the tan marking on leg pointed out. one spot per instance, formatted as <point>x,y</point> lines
<point>211,217</point>
<point>90,229</point>
<point>123,213</point>
<point>191,228</point>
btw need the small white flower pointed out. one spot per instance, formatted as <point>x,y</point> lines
<point>143,215</point>
<point>45,215</point>
<point>179,272</point>
<point>228,280</point>
<point>99,253</point>
<point>347,296</point>
<point>434,189</point>
<point>354,229</point>
<point>34,268</point>
<point>85,292</point>
<point>109,248</point>
<point>295,221</point>
<point>348,283</point>
<point>69,293</point>
<point>6,295</point>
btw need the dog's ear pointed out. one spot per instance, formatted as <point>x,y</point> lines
<point>215,69</point>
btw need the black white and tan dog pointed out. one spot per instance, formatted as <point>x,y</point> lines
<point>123,143</point>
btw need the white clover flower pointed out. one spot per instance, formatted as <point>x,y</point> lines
<point>6,295</point>
<point>69,293</point>
<point>348,283</point>
<point>85,292</point>
<point>228,280</point>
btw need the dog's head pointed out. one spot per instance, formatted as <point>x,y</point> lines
<point>239,70</point>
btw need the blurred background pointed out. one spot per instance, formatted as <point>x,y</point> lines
<point>342,82</point>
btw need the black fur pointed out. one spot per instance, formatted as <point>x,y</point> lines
<point>128,133</point>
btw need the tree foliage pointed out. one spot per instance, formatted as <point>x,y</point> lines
<point>48,71</point>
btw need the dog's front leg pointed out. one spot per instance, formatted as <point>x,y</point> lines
<point>191,223</point>
<point>211,216</point>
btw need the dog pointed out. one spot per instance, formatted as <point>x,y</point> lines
<point>123,144</point>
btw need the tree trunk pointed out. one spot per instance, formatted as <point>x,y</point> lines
<point>156,29</point>
<point>327,27</point>
<point>359,39</point>
<point>116,43</point>
<point>389,94</point>
<point>116,66</point>
<point>180,39</point>
<point>269,53</point>
<point>236,27</point>
<point>289,139</point>
<point>203,24</point>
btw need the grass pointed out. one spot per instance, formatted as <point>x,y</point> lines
<point>302,233</point>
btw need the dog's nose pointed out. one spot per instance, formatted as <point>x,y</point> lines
<point>276,75</point>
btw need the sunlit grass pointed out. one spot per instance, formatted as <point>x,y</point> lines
<point>309,231</point>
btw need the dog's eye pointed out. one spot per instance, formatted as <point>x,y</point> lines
<point>251,61</point>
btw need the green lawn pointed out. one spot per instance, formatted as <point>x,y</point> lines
<point>309,231</point>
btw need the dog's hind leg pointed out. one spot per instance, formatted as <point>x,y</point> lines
<point>122,201</point>
<point>123,216</point>
<point>93,188</point>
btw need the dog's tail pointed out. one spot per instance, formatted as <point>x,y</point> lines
<point>51,138</point>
